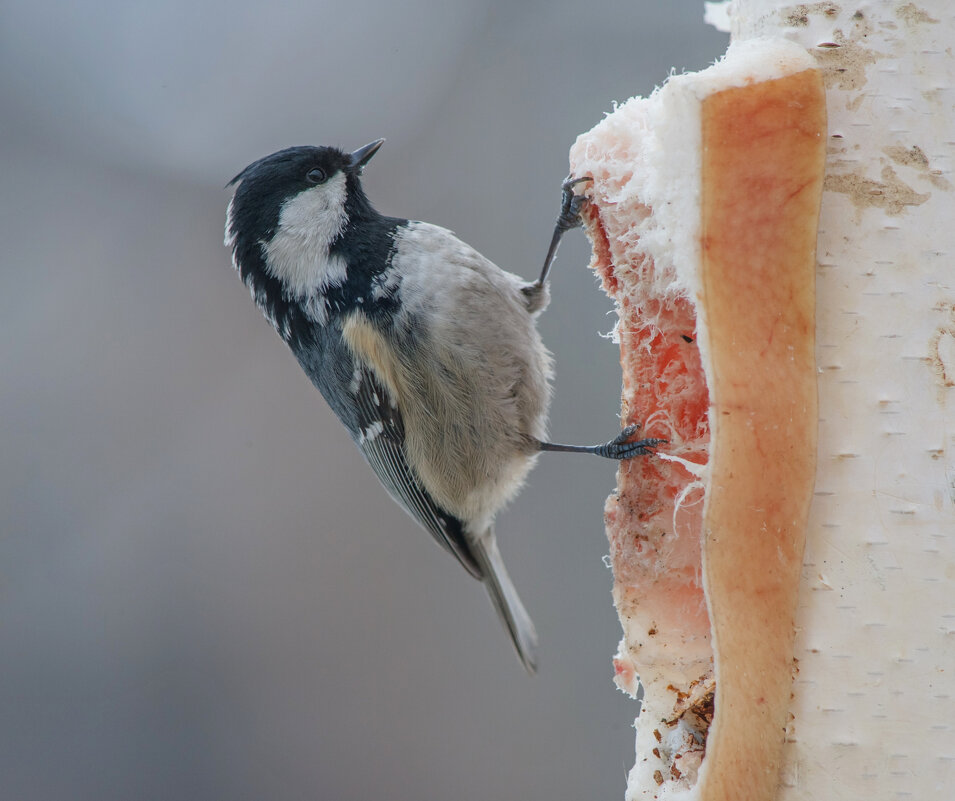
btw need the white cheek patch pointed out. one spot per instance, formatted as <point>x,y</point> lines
<point>309,222</point>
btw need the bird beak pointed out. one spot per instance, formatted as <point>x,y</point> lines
<point>363,155</point>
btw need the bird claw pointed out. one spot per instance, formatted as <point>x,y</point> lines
<point>569,217</point>
<point>620,448</point>
<point>571,204</point>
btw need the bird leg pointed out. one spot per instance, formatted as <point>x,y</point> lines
<point>569,217</point>
<point>617,448</point>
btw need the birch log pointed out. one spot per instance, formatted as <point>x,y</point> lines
<point>873,700</point>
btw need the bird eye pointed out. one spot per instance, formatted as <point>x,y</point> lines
<point>316,175</point>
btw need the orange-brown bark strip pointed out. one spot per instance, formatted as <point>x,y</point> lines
<point>762,174</point>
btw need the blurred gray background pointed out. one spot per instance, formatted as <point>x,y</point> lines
<point>204,592</point>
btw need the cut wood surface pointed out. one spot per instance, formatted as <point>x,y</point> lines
<point>873,698</point>
<point>710,255</point>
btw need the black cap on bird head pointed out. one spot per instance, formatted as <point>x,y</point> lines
<point>331,157</point>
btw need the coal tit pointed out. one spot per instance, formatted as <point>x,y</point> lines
<point>426,351</point>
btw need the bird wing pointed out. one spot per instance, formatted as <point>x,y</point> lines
<point>381,438</point>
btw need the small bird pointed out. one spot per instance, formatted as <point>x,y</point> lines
<point>424,349</point>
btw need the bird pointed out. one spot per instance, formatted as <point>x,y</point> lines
<point>425,350</point>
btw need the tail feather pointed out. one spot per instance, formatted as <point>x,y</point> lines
<point>506,601</point>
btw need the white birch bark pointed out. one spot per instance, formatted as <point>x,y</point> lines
<point>874,699</point>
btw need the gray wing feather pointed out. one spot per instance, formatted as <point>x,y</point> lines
<point>380,438</point>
